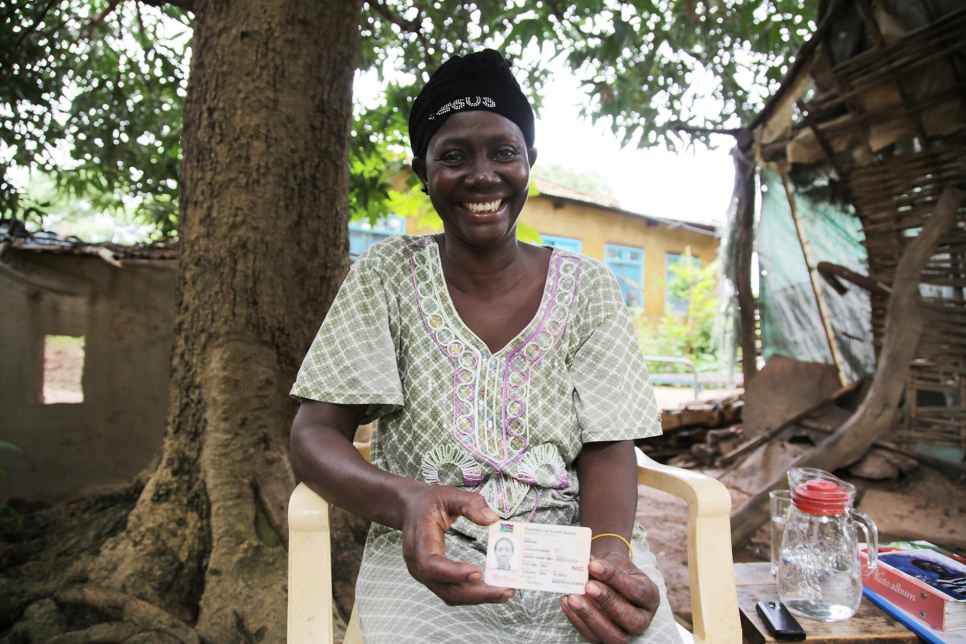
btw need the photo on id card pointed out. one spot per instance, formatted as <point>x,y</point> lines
<point>533,556</point>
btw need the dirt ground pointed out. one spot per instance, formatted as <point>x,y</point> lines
<point>665,518</point>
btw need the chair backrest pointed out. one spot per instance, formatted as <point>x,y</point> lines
<point>714,602</point>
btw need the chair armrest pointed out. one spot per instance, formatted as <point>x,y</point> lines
<point>309,568</point>
<point>714,601</point>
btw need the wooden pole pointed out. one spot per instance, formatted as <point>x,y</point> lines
<point>903,326</point>
<point>862,281</point>
<point>813,277</point>
<point>745,171</point>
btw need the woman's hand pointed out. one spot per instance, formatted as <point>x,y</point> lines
<point>428,512</point>
<point>620,601</point>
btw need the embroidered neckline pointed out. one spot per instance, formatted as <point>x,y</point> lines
<point>439,280</point>
<point>491,390</point>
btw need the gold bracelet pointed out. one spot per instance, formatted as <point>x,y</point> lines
<point>630,551</point>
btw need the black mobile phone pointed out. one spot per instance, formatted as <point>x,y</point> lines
<point>781,623</point>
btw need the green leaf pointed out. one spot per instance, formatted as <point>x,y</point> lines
<point>113,99</point>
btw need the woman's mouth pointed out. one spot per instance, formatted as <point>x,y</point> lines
<point>479,208</point>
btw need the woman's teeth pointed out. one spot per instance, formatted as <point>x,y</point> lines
<point>491,206</point>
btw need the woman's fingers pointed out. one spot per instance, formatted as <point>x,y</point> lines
<point>573,607</point>
<point>470,505</point>
<point>455,582</point>
<point>617,610</point>
<point>467,593</point>
<point>618,575</point>
<point>591,622</point>
<point>429,516</point>
<point>620,602</point>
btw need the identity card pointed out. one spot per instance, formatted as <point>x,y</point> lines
<point>534,556</point>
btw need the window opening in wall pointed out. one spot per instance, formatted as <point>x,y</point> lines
<point>566,243</point>
<point>627,265</point>
<point>63,369</point>
<point>675,305</point>
<point>362,234</point>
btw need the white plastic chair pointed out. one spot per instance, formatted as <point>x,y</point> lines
<point>714,602</point>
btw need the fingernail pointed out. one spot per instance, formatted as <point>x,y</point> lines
<point>594,589</point>
<point>576,602</point>
<point>596,567</point>
<point>507,596</point>
<point>490,515</point>
<point>476,576</point>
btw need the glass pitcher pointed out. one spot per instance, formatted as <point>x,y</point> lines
<point>819,574</point>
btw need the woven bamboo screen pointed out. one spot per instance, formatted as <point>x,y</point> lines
<point>889,123</point>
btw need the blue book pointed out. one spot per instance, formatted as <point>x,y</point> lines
<point>916,625</point>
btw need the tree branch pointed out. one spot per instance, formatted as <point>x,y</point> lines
<point>87,31</point>
<point>694,129</point>
<point>33,27</point>
<point>410,26</point>
<point>555,10</point>
<point>187,5</point>
<point>862,281</point>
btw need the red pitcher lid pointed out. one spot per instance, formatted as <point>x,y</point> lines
<point>822,497</point>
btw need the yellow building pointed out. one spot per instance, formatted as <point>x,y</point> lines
<point>636,247</point>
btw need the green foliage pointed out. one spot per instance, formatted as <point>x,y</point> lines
<point>584,181</point>
<point>689,334</point>
<point>91,92</point>
<point>72,217</point>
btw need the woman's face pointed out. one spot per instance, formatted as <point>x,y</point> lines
<point>503,551</point>
<point>477,169</point>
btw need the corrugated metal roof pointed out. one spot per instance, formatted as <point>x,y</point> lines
<point>17,237</point>
<point>557,191</point>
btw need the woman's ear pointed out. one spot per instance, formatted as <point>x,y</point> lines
<point>531,155</point>
<point>419,167</point>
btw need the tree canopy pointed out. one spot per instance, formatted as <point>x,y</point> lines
<point>92,90</point>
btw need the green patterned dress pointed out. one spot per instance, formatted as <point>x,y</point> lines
<point>507,425</point>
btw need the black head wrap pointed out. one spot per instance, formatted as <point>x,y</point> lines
<point>479,81</point>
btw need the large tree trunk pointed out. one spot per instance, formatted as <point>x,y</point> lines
<point>264,248</point>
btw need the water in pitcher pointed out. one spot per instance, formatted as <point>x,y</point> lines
<point>819,586</point>
<point>781,504</point>
<point>777,530</point>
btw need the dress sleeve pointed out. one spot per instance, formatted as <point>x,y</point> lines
<point>352,360</point>
<point>613,395</point>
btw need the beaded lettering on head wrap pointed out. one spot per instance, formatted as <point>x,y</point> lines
<point>458,104</point>
<point>478,81</point>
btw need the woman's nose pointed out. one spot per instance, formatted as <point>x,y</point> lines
<point>482,173</point>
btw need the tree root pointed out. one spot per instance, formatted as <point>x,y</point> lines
<point>112,632</point>
<point>135,617</point>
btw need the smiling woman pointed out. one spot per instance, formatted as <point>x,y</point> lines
<point>477,172</point>
<point>505,381</point>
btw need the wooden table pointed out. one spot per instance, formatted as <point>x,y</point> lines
<point>870,625</point>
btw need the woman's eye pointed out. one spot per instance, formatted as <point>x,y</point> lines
<point>505,154</point>
<point>452,157</point>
